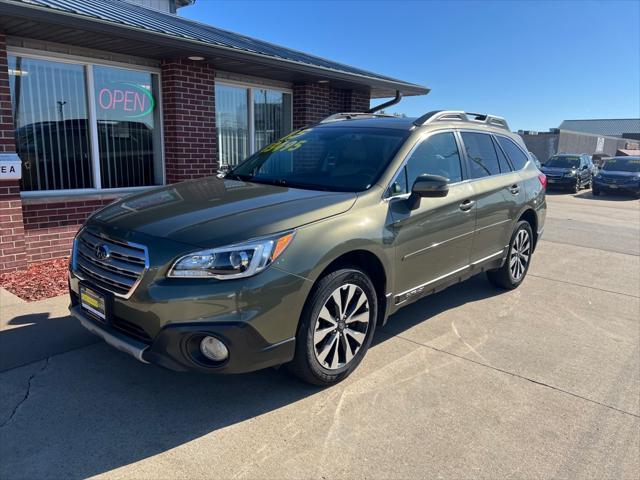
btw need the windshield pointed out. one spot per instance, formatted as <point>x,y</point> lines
<point>622,165</point>
<point>563,162</point>
<point>346,159</point>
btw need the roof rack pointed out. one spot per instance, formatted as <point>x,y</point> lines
<point>460,116</point>
<point>337,117</point>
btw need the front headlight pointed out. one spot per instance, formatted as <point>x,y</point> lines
<point>235,261</point>
<point>570,173</point>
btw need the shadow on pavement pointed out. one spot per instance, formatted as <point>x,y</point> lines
<point>95,409</point>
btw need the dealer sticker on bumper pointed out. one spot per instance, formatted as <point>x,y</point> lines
<point>92,302</point>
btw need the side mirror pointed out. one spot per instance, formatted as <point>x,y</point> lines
<point>430,186</point>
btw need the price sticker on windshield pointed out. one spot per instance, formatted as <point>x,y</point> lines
<point>287,143</point>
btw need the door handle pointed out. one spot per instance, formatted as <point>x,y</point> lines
<point>467,205</point>
<point>515,189</point>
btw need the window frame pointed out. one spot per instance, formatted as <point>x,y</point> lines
<point>422,138</point>
<point>250,86</point>
<point>88,63</point>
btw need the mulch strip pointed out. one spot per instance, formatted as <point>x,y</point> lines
<point>41,280</point>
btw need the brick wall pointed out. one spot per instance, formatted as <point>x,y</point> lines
<point>188,102</point>
<point>7,144</point>
<point>314,101</point>
<point>12,244</point>
<point>49,228</point>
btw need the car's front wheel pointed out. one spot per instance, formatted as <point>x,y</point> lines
<point>336,327</point>
<point>515,267</point>
<point>577,186</point>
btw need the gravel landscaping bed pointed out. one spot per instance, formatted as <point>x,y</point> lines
<point>38,281</point>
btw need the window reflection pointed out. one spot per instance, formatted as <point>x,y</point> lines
<point>49,104</point>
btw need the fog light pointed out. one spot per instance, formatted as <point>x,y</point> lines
<point>214,349</point>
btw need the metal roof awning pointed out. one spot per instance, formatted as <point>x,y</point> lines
<point>129,29</point>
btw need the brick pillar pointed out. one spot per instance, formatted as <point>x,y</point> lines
<point>12,244</point>
<point>314,101</point>
<point>188,102</point>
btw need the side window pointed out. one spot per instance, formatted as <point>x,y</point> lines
<point>483,159</point>
<point>437,155</point>
<point>399,185</point>
<point>504,164</point>
<point>516,155</point>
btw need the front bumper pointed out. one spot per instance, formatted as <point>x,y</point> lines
<point>628,187</point>
<point>172,347</point>
<point>562,182</point>
<point>162,319</point>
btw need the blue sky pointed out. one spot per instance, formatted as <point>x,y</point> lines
<point>536,63</point>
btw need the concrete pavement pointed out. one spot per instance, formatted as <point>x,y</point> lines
<point>543,381</point>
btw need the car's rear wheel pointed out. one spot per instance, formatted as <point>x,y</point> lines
<point>516,266</point>
<point>336,327</point>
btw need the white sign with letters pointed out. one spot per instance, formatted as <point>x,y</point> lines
<point>10,166</point>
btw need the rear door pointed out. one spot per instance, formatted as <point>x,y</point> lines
<point>498,194</point>
<point>433,241</point>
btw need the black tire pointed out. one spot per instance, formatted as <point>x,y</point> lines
<point>503,277</point>
<point>595,191</point>
<point>576,187</point>
<point>305,363</point>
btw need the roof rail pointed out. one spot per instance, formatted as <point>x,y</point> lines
<point>460,116</point>
<point>337,117</point>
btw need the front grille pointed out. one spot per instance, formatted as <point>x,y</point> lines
<point>119,272</point>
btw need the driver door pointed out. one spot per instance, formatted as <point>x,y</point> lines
<point>433,241</point>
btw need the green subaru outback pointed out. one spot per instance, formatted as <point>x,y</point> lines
<point>298,253</point>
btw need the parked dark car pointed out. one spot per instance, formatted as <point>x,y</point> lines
<point>569,171</point>
<point>618,174</point>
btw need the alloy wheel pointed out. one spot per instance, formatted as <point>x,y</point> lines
<point>519,255</point>
<point>341,326</point>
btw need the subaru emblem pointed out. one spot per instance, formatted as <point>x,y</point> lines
<point>102,252</point>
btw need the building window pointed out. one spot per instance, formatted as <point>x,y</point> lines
<point>248,119</point>
<point>83,126</point>
<point>128,133</point>
<point>50,112</point>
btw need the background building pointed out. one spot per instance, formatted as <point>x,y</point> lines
<point>102,98</point>
<point>598,137</point>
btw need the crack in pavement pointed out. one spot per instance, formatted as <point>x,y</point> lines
<point>583,286</point>
<point>513,374</point>
<point>27,393</point>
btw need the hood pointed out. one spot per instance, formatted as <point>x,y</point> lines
<point>212,212</point>
<point>556,170</point>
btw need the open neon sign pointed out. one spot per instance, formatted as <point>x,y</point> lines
<point>134,100</point>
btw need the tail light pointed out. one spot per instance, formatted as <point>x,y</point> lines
<point>543,180</point>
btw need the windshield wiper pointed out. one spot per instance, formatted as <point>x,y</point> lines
<point>238,176</point>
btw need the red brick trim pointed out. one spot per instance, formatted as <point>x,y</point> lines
<point>188,102</point>
<point>49,228</point>
<point>12,244</point>
<point>7,141</point>
<point>314,101</point>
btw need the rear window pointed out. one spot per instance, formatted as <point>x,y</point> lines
<point>516,155</point>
